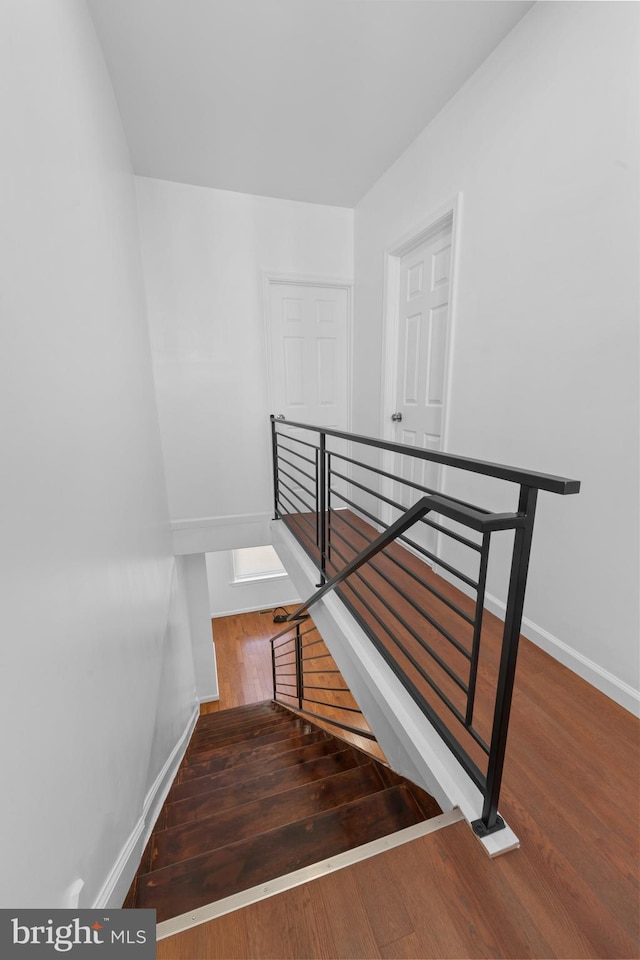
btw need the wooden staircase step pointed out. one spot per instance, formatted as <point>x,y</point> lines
<point>251,730</point>
<point>246,754</point>
<point>260,708</point>
<point>255,764</point>
<point>236,793</point>
<point>175,889</point>
<point>240,822</point>
<point>219,750</point>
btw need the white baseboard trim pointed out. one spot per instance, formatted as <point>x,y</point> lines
<point>593,673</point>
<point>255,608</point>
<point>124,869</point>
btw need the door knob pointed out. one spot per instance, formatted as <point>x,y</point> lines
<point>396,416</point>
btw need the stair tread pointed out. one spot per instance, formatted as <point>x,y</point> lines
<point>219,750</point>
<point>239,792</point>
<point>241,822</point>
<point>249,730</point>
<point>249,766</point>
<point>245,755</point>
<point>191,883</point>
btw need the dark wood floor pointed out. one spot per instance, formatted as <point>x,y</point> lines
<point>571,793</point>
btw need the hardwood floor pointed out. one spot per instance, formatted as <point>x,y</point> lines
<point>570,792</point>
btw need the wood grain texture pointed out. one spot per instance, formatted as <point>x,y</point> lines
<point>570,792</point>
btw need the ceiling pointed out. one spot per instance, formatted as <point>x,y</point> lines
<point>299,99</point>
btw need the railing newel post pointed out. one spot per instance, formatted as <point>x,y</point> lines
<point>322,477</point>
<point>299,667</point>
<point>273,669</point>
<point>490,821</point>
<point>274,457</point>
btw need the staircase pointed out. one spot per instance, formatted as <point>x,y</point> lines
<point>261,793</point>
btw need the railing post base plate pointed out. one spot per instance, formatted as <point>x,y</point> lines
<point>481,830</point>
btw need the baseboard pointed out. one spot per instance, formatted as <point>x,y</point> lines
<point>124,869</point>
<point>254,609</point>
<point>593,673</point>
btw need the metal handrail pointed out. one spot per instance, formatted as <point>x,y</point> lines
<point>529,478</point>
<point>471,517</point>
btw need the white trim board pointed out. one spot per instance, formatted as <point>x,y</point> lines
<point>121,875</point>
<point>169,928</point>
<point>211,534</point>
<point>253,609</point>
<point>600,678</point>
<point>604,681</point>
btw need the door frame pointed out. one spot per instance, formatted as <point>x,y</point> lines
<point>342,283</point>
<point>419,233</point>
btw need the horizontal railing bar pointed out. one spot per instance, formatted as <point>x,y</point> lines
<point>427,616</point>
<point>478,739</point>
<point>304,443</point>
<point>294,493</point>
<point>393,532</point>
<point>295,512</point>
<point>439,561</point>
<point>529,478</point>
<point>312,686</point>
<point>294,466</point>
<point>416,636</point>
<point>437,722</point>
<point>338,723</point>
<point>402,509</point>
<point>414,663</point>
<point>304,517</point>
<point>334,706</point>
<point>296,453</point>
<point>285,663</point>
<point>416,546</point>
<point>321,671</point>
<point>411,573</point>
<point>283,684</point>
<point>406,483</point>
<point>278,646</point>
<point>313,643</point>
<point>427,586</point>
<point>317,656</point>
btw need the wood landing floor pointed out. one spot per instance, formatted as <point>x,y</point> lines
<point>571,793</point>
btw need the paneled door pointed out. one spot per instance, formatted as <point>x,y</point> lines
<point>423,337</point>
<point>308,342</point>
<point>309,361</point>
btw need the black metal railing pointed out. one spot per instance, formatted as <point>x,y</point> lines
<point>411,565</point>
<point>306,678</point>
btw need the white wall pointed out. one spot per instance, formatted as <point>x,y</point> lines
<point>193,568</point>
<point>96,677</point>
<point>542,142</point>
<point>227,597</point>
<point>204,252</point>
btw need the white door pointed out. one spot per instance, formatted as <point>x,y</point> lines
<point>308,343</point>
<point>423,336</point>
<point>308,339</point>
